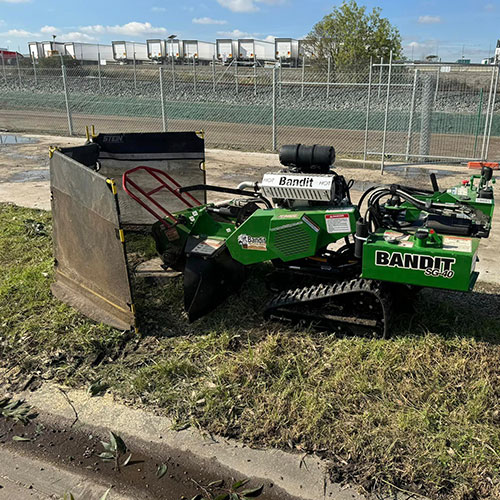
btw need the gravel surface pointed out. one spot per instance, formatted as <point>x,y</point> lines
<point>464,100</point>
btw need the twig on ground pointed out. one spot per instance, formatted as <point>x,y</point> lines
<point>72,406</point>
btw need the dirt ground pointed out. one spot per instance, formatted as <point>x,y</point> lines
<point>24,179</point>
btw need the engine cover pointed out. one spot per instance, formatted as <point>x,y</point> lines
<point>298,187</point>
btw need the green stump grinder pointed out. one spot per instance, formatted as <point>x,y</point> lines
<point>337,265</point>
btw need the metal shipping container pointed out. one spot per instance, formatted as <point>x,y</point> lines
<point>227,49</point>
<point>89,51</point>
<point>249,49</point>
<point>156,49</point>
<point>128,51</point>
<point>35,50</point>
<point>53,49</point>
<point>286,49</point>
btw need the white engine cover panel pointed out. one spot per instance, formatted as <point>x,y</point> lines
<point>298,187</point>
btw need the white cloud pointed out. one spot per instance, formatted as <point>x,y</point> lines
<point>15,1</point>
<point>18,33</point>
<point>270,38</point>
<point>247,5</point>
<point>239,5</point>
<point>208,20</point>
<point>51,30</point>
<point>158,9</point>
<point>235,34</point>
<point>429,20</point>
<point>133,28</point>
<point>76,36</point>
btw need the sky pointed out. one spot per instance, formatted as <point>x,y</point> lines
<point>449,28</point>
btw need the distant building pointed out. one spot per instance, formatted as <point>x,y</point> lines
<point>488,61</point>
<point>8,56</point>
<point>497,53</point>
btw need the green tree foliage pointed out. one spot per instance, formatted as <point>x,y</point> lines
<point>350,35</point>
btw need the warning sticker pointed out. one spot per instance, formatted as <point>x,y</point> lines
<point>338,223</point>
<point>208,246</point>
<point>457,244</point>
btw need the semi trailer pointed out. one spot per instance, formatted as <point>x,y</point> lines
<point>91,52</point>
<point>53,49</point>
<point>125,52</point>
<point>156,50</point>
<point>250,49</point>
<point>287,50</point>
<point>227,49</point>
<point>198,50</point>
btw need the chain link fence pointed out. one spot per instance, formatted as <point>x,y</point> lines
<point>401,112</point>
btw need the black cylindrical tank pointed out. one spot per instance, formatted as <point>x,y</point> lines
<point>307,158</point>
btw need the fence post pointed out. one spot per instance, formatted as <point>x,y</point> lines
<point>386,116</point>
<point>303,76</point>
<point>236,75</point>
<point>486,121</point>
<point>426,120</point>
<point>478,122</point>
<point>328,76</point>
<point>214,74</point>
<point>281,75</point>
<point>173,71</point>
<point>34,69</point>
<point>162,100</point>
<point>255,74</point>
<point>3,68</point>
<point>437,84</point>
<point>66,98</point>
<point>492,114</point>
<point>18,71</point>
<point>135,73</point>
<point>194,75</point>
<point>275,142</point>
<point>380,77</point>
<point>99,67</point>
<point>368,103</point>
<point>412,113</point>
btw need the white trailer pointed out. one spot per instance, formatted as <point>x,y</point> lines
<point>35,50</point>
<point>196,49</point>
<point>175,48</point>
<point>92,52</point>
<point>227,49</point>
<point>250,49</point>
<point>157,50</point>
<point>286,49</point>
<point>125,52</point>
<point>53,49</point>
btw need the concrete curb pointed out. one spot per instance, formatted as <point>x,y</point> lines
<point>299,476</point>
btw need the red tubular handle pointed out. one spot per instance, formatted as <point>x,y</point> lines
<point>170,184</point>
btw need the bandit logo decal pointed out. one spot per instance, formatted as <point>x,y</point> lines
<point>431,266</point>
<point>252,242</point>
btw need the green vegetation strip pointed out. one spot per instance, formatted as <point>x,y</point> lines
<point>344,119</point>
<point>420,411</point>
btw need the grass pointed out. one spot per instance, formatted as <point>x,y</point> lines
<point>420,411</point>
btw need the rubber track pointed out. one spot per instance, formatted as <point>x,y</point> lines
<point>316,294</point>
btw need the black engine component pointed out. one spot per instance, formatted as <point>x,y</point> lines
<point>307,159</point>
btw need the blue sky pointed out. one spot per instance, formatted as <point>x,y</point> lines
<point>427,26</point>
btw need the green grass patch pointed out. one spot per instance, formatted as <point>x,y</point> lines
<point>419,411</point>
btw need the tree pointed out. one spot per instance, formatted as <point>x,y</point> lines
<point>350,36</point>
